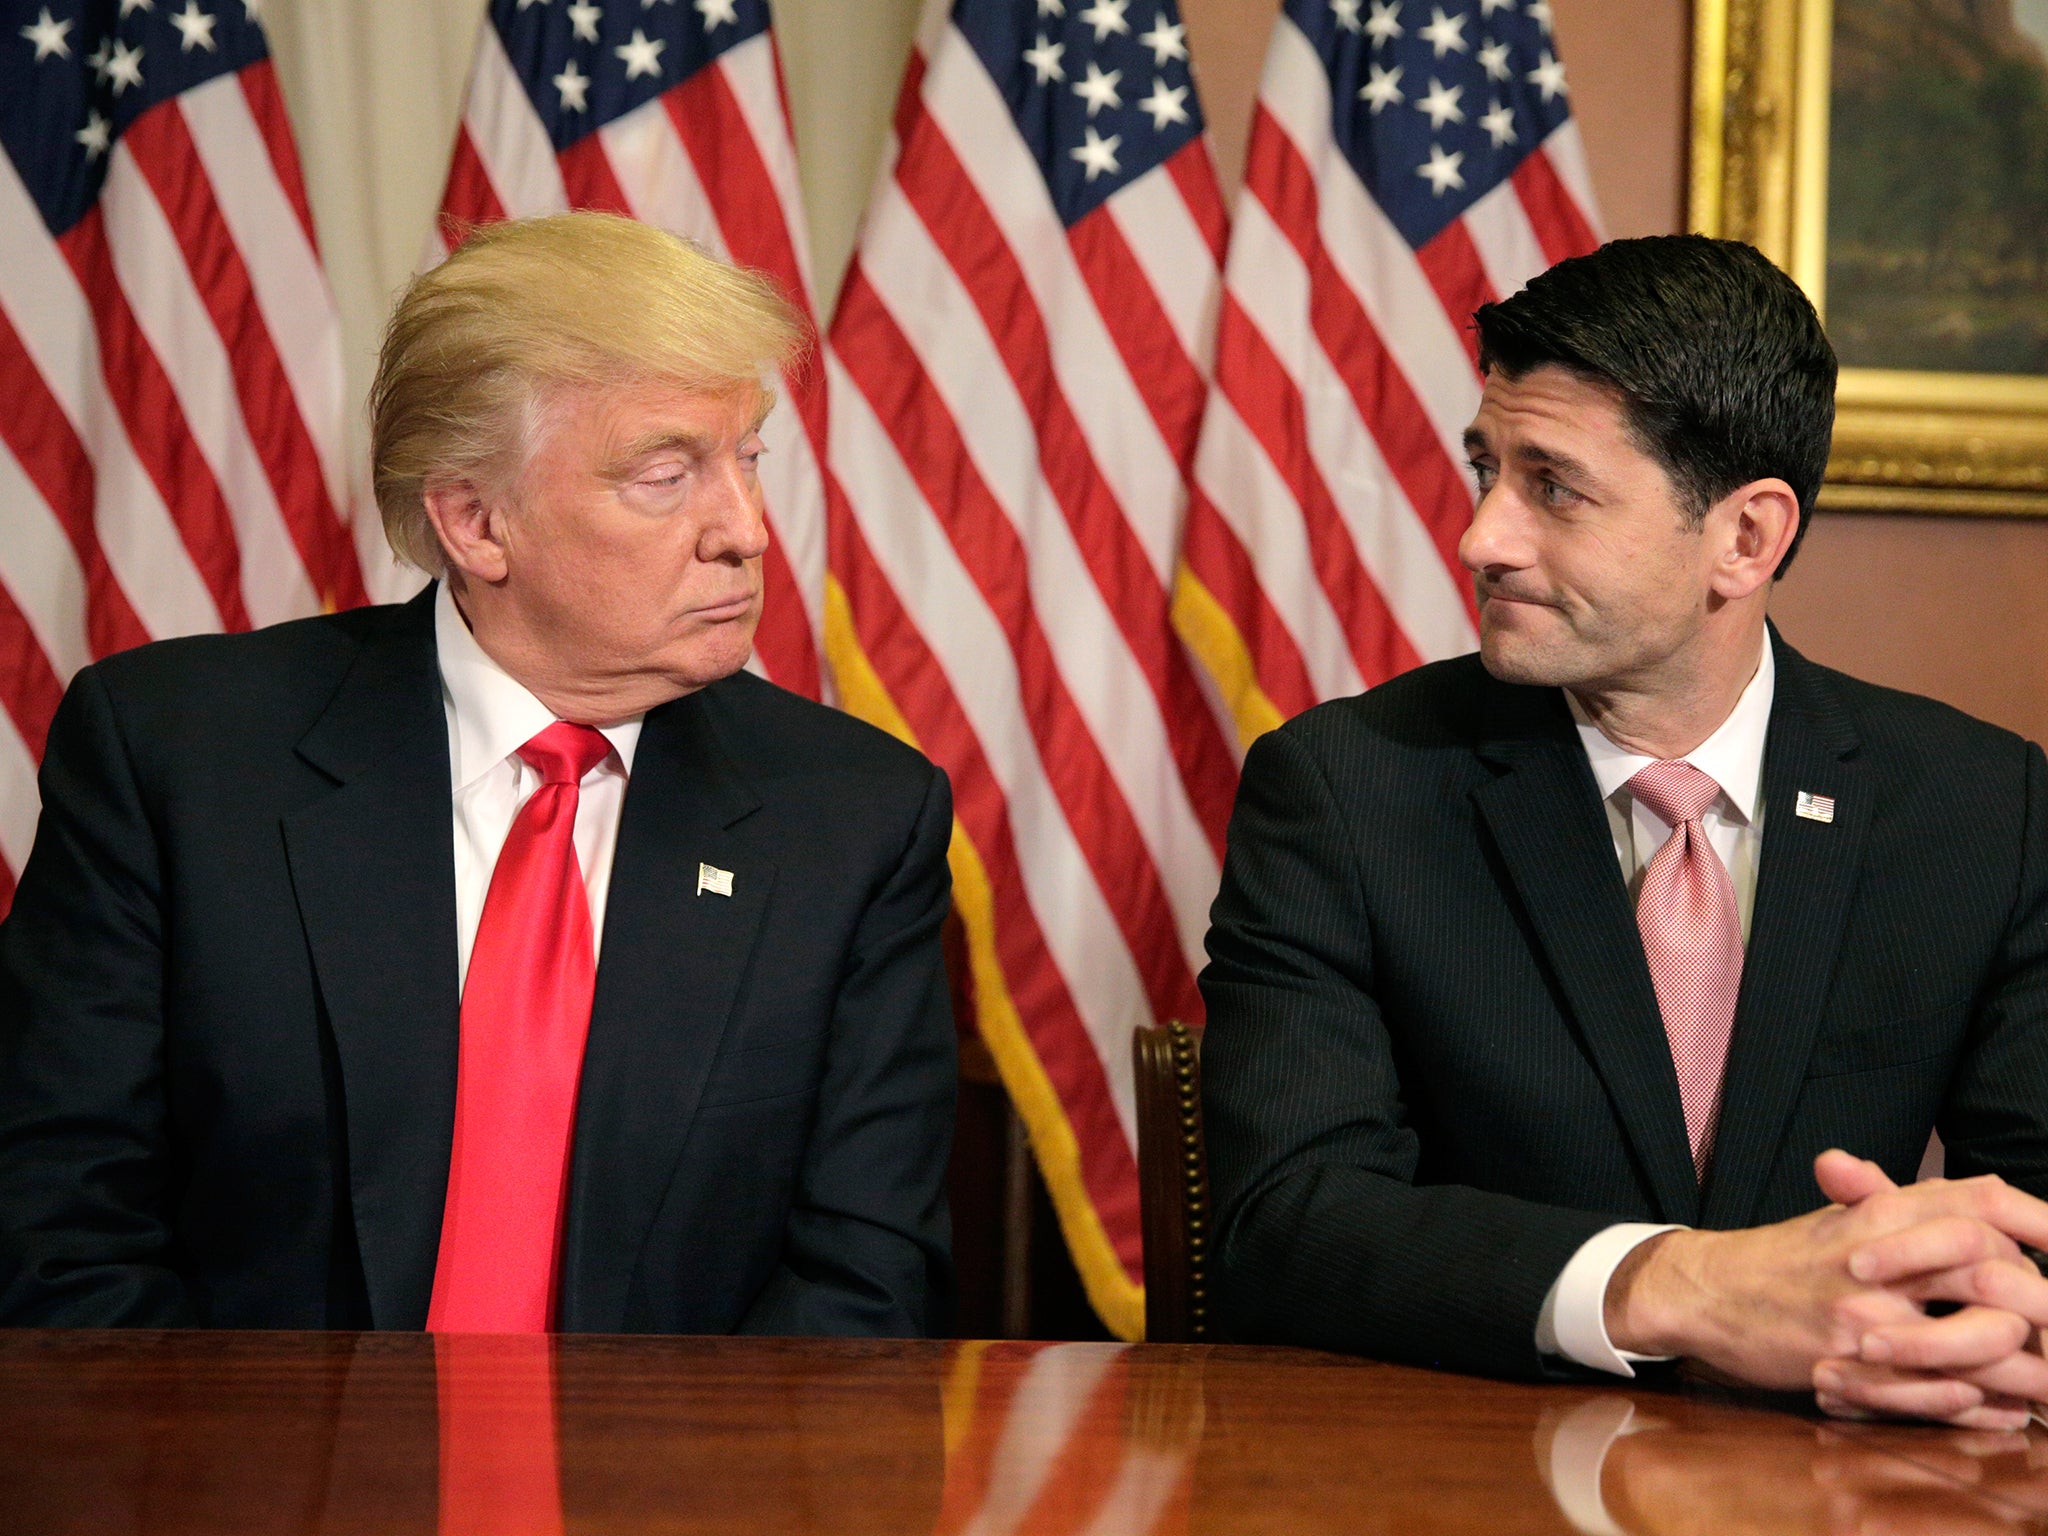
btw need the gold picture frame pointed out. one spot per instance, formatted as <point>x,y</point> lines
<point>1970,443</point>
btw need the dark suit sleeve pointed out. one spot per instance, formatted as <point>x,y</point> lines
<point>1994,1118</point>
<point>83,1145</point>
<point>868,1246</point>
<point>1325,1240</point>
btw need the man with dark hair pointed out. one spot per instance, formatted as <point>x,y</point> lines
<point>1717,361</point>
<point>1552,989</point>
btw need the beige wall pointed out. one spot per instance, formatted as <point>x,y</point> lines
<point>1953,607</point>
<point>1628,62</point>
<point>1956,607</point>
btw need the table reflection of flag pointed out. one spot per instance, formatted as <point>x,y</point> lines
<point>1048,1439</point>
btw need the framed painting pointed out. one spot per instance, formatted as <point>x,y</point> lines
<point>1892,155</point>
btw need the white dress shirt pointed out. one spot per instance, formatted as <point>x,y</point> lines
<point>491,716</point>
<point>1573,1322</point>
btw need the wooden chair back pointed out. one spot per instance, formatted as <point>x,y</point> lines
<point>1173,1182</point>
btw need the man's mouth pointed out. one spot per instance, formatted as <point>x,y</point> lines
<point>728,608</point>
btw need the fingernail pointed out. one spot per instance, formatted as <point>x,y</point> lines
<point>1876,1347</point>
<point>1827,1378</point>
<point>1862,1265</point>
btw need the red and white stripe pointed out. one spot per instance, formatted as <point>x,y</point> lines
<point>171,459</point>
<point>711,160</point>
<point>1012,407</point>
<point>1330,482</point>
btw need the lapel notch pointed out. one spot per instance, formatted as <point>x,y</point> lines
<point>373,870</point>
<point>1547,822</point>
<point>1805,883</point>
<point>671,966</point>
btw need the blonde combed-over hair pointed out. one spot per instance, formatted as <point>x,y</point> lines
<point>530,306</point>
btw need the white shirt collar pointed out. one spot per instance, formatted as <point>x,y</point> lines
<point>1733,757</point>
<point>491,713</point>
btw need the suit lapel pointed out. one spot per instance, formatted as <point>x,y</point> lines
<point>373,869</point>
<point>1805,882</point>
<point>670,967</point>
<point>1547,821</point>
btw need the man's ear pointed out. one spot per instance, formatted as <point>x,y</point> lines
<point>469,523</point>
<point>1757,524</point>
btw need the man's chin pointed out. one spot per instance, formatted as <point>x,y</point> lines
<point>715,651</point>
<point>1514,659</point>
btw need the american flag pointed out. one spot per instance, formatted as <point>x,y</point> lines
<point>172,448</point>
<point>1017,369</point>
<point>1409,161</point>
<point>674,114</point>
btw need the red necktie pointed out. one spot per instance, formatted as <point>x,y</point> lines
<point>525,1015</point>
<point>1692,937</point>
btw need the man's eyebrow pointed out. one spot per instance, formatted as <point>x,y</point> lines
<point>1563,463</point>
<point>1534,454</point>
<point>689,444</point>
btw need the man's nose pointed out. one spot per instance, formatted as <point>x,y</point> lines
<point>1489,539</point>
<point>738,526</point>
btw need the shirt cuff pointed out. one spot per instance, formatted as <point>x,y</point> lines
<point>1573,1322</point>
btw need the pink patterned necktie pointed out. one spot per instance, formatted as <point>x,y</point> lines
<point>1692,938</point>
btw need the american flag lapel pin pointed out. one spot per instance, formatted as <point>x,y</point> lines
<point>1814,807</point>
<point>719,881</point>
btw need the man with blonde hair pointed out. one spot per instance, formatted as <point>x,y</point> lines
<point>510,959</point>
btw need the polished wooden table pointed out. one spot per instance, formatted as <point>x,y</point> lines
<point>391,1433</point>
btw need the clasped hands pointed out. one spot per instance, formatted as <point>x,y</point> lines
<point>1836,1300</point>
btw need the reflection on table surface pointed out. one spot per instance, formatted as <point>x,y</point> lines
<point>333,1433</point>
<point>1637,1463</point>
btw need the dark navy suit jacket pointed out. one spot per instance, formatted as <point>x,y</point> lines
<point>228,1007</point>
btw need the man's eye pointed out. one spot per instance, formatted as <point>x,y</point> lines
<point>1557,494</point>
<point>1485,475</point>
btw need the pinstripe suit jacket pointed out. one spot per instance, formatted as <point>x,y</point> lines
<point>1434,1063</point>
